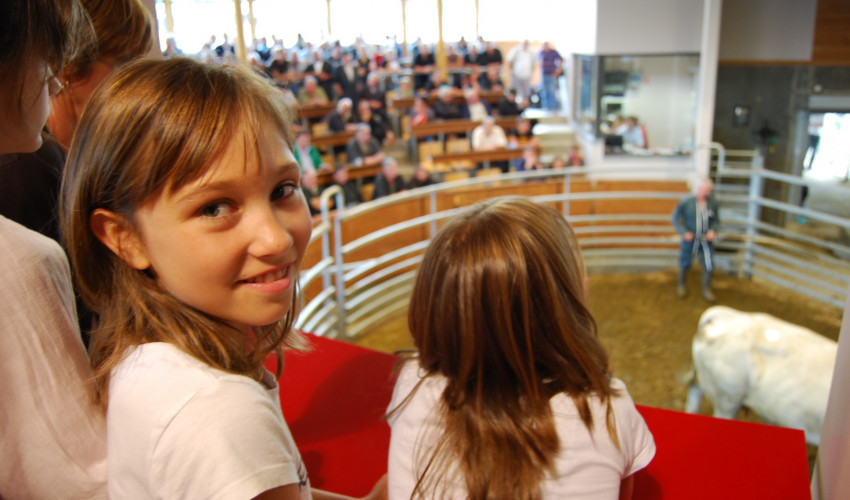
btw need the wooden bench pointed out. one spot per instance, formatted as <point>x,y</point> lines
<point>402,104</point>
<point>333,139</point>
<point>476,157</point>
<point>354,172</point>
<point>315,112</point>
<point>456,126</point>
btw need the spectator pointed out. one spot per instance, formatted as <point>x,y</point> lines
<point>341,119</point>
<point>323,71</point>
<point>312,193</point>
<point>522,62</point>
<point>420,112</point>
<point>307,155</point>
<point>171,49</point>
<point>423,66</point>
<point>364,149</point>
<point>388,181</point>
<point>124,32</point>
<point>311,94</point>
<point>576,159</point>
<point>280,67</point>
<point>373,94</point>
<point>488,136</point>
<point>632,133</point>
<point>350,192</point>
<point>475,109</point>
<point>550,67</point>
<point>530,160</point>
<point>490,81</point>
<point>345,76</point>
<point>522,134</point>
<point>380,128</point>
<point>508,105</point>
<point>421,178</point>
<point>491,57</point>
<point>445,107</point>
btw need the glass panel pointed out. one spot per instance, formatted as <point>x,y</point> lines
<point>828,154</point>
<point>647,104</point>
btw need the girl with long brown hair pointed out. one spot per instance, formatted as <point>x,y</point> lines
<point>186,226</point>
<point>510,395</point>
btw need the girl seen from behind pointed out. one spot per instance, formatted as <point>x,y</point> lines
<point>511,394</point>
<point>186,228</point>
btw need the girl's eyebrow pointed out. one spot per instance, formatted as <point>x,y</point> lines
<point>204,188</point>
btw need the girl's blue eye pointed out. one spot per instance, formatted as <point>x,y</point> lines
<point>283,191</point>
<point>216,209</point>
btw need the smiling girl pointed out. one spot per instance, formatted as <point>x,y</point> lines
<point>186,226</point>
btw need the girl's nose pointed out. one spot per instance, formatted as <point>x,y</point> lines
<point>270,234</point>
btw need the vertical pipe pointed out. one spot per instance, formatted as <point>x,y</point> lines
<point>329,18</point>
<point>709,45</point>
<point>338,258</point>
<point>477,15</point>
<point>240,31</point>
<point>433,211</point>
<point>169,18</point>
<point>252,21</point>
<point>404,28</point>
<point>753,218</point>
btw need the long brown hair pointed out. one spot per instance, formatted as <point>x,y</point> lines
<point>152,126</point>
<point>499,309</point>
<point>123,29</point>
<point>54,30</point>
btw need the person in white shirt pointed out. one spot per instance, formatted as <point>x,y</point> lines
<point>510,394</point>
<point>523,62</point>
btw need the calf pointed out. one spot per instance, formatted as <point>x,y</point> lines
<point>777,369</point>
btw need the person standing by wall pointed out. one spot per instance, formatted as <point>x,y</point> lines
<point>551,64</point>
<point>695,219</point>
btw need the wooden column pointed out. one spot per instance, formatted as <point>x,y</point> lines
<point>442,61</point>
<point>329,18</point>
<point>169,18</point>
<point>252,21</point>
<point>240,32</point>
<point>404,28</point>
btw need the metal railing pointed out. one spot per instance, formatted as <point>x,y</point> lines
<point>349,295</point>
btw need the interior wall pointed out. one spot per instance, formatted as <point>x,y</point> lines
<point>767,30</point>
<point>648,26</point>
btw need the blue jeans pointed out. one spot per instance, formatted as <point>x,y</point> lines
<point>686,253</point>
<point>549,92</point>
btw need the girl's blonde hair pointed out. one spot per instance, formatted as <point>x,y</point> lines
<point>499,309</point>
<point>155,126</point>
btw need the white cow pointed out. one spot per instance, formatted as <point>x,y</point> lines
<point>777,369</point>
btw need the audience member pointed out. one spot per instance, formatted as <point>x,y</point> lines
<point>475,109</point>
<point>530,160</point>
<point>420,112</point>
<point>631,133</point>
<point>550,69</point>
<point>508,105</point>
<point>124,32</point>
<point>576,159</point>
<point>380,128</point>
<point>180,349</point>
<point>445,107</point>
<point>488,136</point>
<point>388,181</point>
<point>323,71</point>
<point>311,94</point>
<point>171,49</point>
<point>342,119</point>
<point>510,393</point>
<point>374,95</point>
<point>350,192</point>
<point>491,56</point>
<point>523,63</point>
<point>54,437</point>
<point>363,149</point>
<point>312,193</point>
<point>280,67</point>
<point>423,66</point>
<point>307,155</point>
<point>345,78</point>
<point>522,134</point>
<point>421,178</point>
<point>490,81</point>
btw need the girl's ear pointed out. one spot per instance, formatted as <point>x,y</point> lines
<point>113,230</point>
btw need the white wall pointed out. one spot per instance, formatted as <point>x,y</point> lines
<point>767,30</point>
<point>648,26</point>
<point>573,26</point>
<point>831,477</point>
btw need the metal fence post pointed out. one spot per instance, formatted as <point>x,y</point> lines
<point>753,218</point>
<point>338,261</point>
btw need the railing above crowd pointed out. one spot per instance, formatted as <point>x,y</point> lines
<point>362,260</point>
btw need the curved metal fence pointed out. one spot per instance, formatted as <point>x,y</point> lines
<point>362,260</point>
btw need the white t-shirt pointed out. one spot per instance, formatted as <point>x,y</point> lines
<point>522,62</point>
<point>179,428</point>
<point>53,442</point>
<point>588,466</point>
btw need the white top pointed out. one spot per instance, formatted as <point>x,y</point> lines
<point>522,62</point>
<point>179,428</point>
<point>482,141</point>
<point>588,467</point>
<point>53,441</point>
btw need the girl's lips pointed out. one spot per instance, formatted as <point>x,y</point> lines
<point>274,281</point>
<point>269,277</point>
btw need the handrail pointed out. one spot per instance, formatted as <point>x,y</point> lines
<point>369,274</point>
